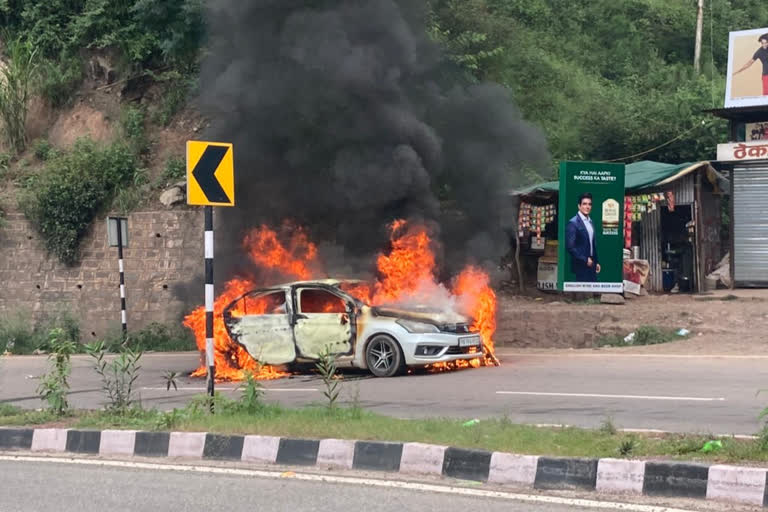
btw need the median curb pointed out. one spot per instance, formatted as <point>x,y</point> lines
<point>717,482</point>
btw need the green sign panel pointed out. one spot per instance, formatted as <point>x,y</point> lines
<point>591,227</point>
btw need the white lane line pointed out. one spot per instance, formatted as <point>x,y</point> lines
<point>597,395</point>
<point>396,484</point>
<point>201,388</point>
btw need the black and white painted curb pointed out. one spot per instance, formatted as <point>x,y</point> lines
<point>670,479</point>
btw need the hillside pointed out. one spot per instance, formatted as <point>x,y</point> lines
<point>606,79</point>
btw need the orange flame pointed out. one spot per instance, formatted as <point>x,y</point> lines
<point>265,249</point>
<point>406,268</point>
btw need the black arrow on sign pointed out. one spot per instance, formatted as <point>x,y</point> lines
<point>204,174</point>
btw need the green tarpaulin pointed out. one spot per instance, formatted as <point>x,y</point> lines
<point>638,175</point>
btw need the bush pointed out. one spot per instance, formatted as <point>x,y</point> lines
<point>175,170</point>
<point>132,124</point>
<point>59,79</point>
<point>72,190</point>
<point>18,335</point>
<point>54,385</point>
<point>155,337</point>
<point>43,149</point>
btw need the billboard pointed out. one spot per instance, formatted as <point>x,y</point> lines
<point>591,226</point>
<point>747,82</point>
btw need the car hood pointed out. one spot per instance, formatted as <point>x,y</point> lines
<point>423,314</point>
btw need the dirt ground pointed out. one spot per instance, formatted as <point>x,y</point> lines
<point>727,322</point>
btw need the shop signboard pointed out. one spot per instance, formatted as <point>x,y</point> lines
<point>591,224</point>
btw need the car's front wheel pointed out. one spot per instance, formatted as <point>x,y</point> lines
<point>384,357</point>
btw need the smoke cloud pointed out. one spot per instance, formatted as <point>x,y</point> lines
<point>345,116</point>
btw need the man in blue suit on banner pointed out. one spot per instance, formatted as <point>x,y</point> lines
<point>580,243</point>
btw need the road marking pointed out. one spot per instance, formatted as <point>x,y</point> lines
<point>220,388</point>
<point>396,484</point>
<point>597,395</point>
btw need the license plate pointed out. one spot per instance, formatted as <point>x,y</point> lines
<point>469,341</point>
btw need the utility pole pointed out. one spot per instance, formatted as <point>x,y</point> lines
<point>697,50</point>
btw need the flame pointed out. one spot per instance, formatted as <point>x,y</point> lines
<point>407,272</point>
<point>293,260</point>
<point>473,286</point>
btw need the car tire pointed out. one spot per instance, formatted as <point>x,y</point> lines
<point>384,356</point>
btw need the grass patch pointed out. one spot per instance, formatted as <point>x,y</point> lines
<point>354,423</point>
<point>155,337</point>
<point>643,335</point>
<point>20,336</point>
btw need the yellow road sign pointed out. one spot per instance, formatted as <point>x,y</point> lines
<point>210,173</point>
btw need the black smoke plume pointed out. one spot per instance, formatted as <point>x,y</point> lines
<point>344,116</point>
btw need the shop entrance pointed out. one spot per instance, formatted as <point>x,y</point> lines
<point>677,243</point>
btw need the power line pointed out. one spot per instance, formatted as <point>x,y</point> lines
<point>680,136</point>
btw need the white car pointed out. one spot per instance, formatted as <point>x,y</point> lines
<point>297,322</point>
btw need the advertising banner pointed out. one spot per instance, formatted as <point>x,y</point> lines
<point>591,217</point>
<point>747,78</point>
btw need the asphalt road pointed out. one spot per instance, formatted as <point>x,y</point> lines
<point>706,394</point>
<point>36,486</point>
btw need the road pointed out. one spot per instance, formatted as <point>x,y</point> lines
<point>705,394</point>
<point>45,485</point>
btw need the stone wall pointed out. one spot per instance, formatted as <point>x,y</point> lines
<point>165,250</point>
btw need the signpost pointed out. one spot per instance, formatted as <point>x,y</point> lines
<point>591,224</point>
<point>117,236</point>
<point>210,182</point>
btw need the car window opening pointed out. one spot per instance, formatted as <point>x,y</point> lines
<point>270,304</point>
<point>320,301</point>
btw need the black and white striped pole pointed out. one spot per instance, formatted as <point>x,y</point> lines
<point>117,235</point>
<point>210,182</point>
<point>209,298</point>
<point>121,267</point>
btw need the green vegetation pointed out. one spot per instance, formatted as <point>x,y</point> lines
<point>73,188</point>
<point>18,335</point>
<point>146,33</point>
<point>54,385</point>
<point>643,335</point>
<point>118,375</point>
<point>232,417</point>
<point>16,81</point>
<point>604,79</point>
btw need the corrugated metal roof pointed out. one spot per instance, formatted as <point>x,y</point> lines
<point>638,175</point>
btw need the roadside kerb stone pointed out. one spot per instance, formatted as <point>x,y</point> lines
<point>299,452</point>
<point>377,456</point>
<point>261,449</point>
<point>186,444</point>
<point>83,441</point>
<point>49,440</point>
<point>152,444</point>
<point>620,476</point>
<point>339,453</point>
<point>731,483</point>
<point>467,464</point>
<point>565,473</point>
<point>675,479</point>
<point>16,438</point>
<point>420,458</point>
<point>117,442</point>
<point>223,447</point>
<point>507,468</point>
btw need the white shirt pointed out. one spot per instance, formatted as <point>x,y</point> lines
<point>590,231</point>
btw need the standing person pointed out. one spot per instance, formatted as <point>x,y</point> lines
<point>580,242</point>
<point>762,55</point>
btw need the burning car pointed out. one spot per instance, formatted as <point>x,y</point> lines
<point>297,322</point>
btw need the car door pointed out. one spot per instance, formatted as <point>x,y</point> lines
<point>322,319</point>
<point>261,322</point>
